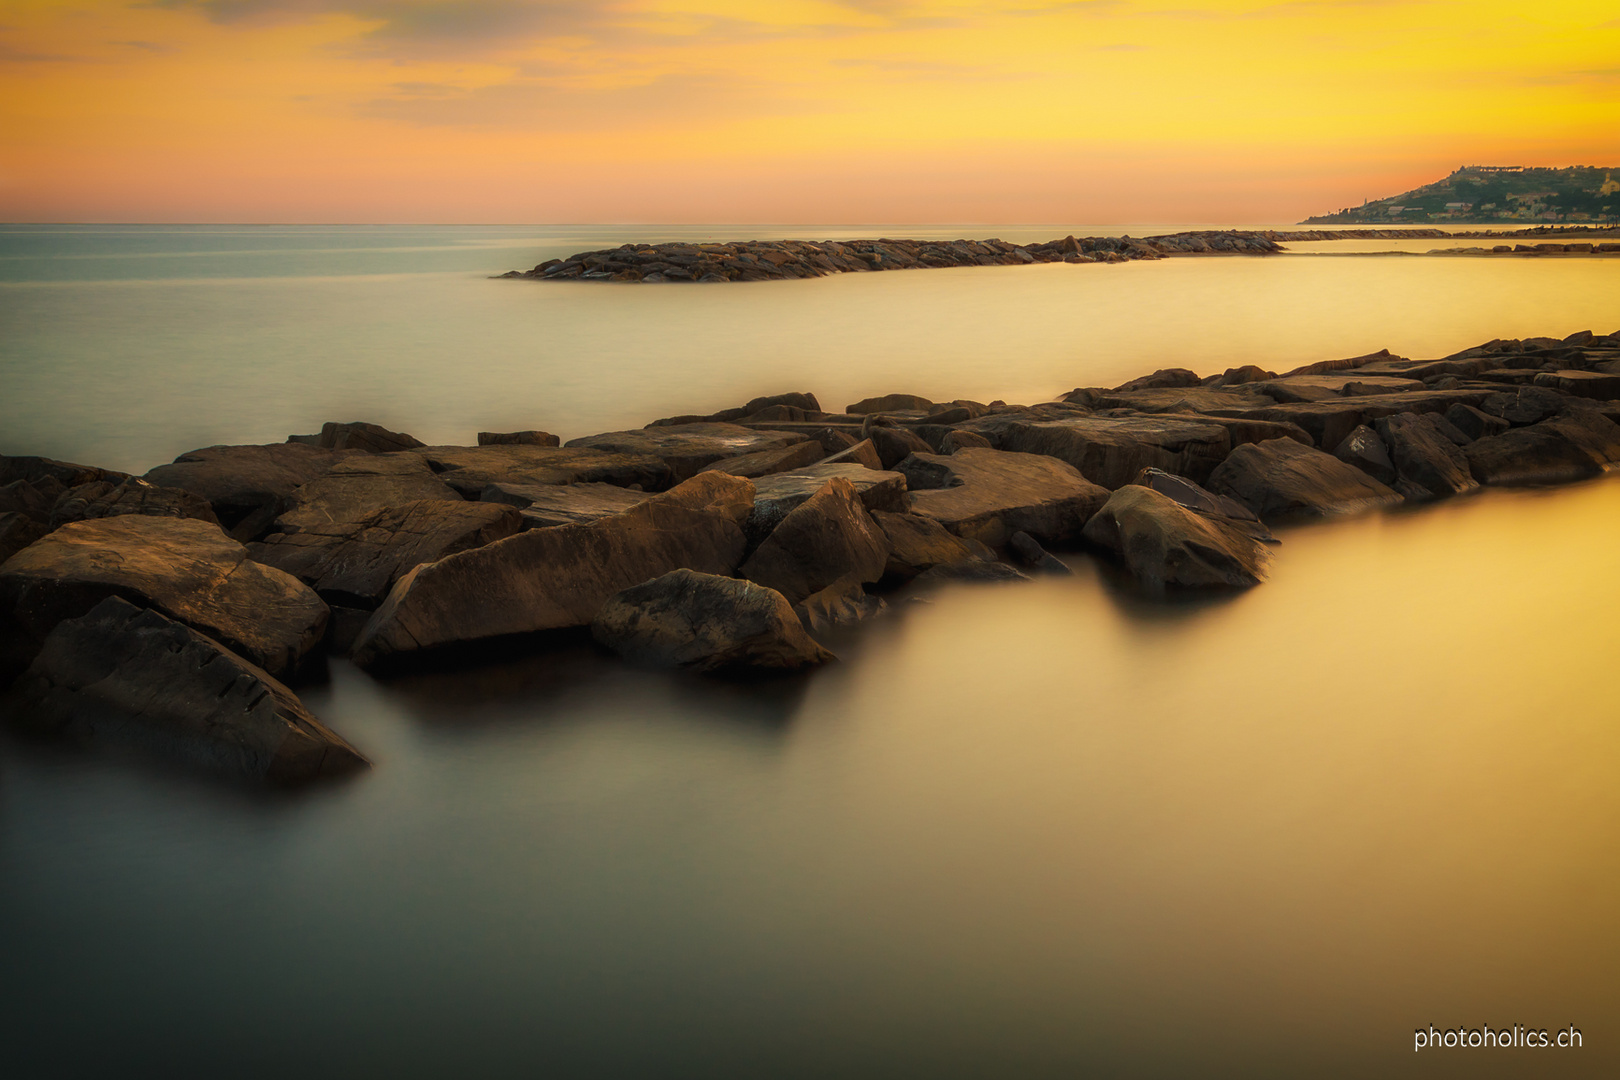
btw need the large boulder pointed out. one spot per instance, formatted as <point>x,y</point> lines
<point>247,485</point>
<point>992,494</point>
<point>17,531</point>
<point>355,563</point>
<point>1298,388</point>
<point>890,403</point>
<point>1111,450</point>
<point>827,537</point>
<point>775,460</point>
<point>918,543</point>
<point>1577,445</point>
<point>1330,420</point>
<point>186,569</point>
<point>1281,478</point>
<point>358,435</point>
<point>1366,451</point>
<point>545,505</point>
<point>532,437</point>
<point>128,679</point>
<point>893,444</point>
<point>355,489</point>
<point>1599,385</point>
<point>1163,543</point>
<point>1429,464</point>
<point>471,469</point>
<point>1202,501</point>
<point>1162,379</point>
<point>103,498</point>
<point>1474,423</point>
<point>776,496</point>
<point>546,579</point>
<point>687,448</point>
<point>33,500</point>
<point>707,624</point>
<point>862,453</point>
<point>65,473</point>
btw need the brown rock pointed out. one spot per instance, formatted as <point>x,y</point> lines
<point>862,453</point>
<point>1428,463</point>
<point>1281,478</point>
<point>1163,543</point>
<point>545,505</point>
<point>918,543</point>
<point>827,537</point>
<point>518,438</point>
<point>1566,448</point>
<point>66,473</point>
<point>995,493</point>
<point>894,443</point>
<point>1366,451</point>
<point>246,485</point>
<point>132,496</point>
<point>775,460</point>
<point>470,469</point>
<point>775,496</point>
<point>890,403</point>
<point>840,605</point>
<point>1164,378</point>
<point>687,448</point>
<point>958,439</point>
<point>355,489</point>
<point>1110,451</point>
<point>17,531</point>
<point>357,435</point>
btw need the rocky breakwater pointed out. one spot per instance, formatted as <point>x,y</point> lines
<point>767,260</point>
<point>175,614</point>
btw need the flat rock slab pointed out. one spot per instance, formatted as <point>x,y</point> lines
<point>470,469</point>
<point>186,569</point>
<point>706,624</point>
<point>128,679</point>
<point>1598,385</point>
<point>1298,388</point>
<point>1164,543</point>
<point>355,563</point>
<point>545,505</point>
<point>1556,451</point>
<point>1281,478</point>
<point>827,538</point>
<point>246,485</point>
<point>687,448</point>
<point>355,489</point>
<point>776,495</point>
<point>996,493</point>
<point>1110,451</point>
<point>545,579</point>
<point>1329,421</point>
<point>1181,399</point>
<point>775,460</point>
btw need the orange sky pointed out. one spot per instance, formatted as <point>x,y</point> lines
<point>782,111</point>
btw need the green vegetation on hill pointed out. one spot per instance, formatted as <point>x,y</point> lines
<point>1483,194</point>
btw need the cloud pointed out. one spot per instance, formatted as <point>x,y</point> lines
<point>10,54</point>
<point>145,46</point>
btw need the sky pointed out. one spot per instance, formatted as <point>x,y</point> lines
<point>838,111</point>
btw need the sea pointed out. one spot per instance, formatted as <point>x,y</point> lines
<point>1056,829</point>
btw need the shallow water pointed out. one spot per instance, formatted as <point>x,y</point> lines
<point>1055,829</point>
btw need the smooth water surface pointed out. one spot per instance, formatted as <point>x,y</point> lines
<point>1050,830</point>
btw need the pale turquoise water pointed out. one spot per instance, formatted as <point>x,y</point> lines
<point>1053,830</point>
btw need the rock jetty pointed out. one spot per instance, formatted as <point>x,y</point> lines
<point>173,615</point>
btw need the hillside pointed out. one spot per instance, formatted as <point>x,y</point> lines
<point>1481,194</point>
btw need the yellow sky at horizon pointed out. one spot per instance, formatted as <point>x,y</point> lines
<point>795,110</point>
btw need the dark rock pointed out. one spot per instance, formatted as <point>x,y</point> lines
<point>1163,543</point>
<point>23,497</point>
<point>827,537</point>
<point>775,496</point>
<point>706,624</point>
<point>372,438</point>
<point>186,569</point>
<point>958,439</point>
<point>1567,448</point>
<point>17,531</point>
<point>1241,376</point>
<point>1451,432</point>
<point>130,680</point>
<point>1191,496</point>
<point>775,460</point>
<point>927,472</point>
<point>133,496</point>
<point>893,444</point>
<point>842,604</point>
<point>918,543</point>
<point>800,403</point>
<point>545,579</point>
<point>1111,450</point>
<point>834,441</point>
<point>972,571</point>
<point>355,489</point>
<point>862,453</point>
<point>1367,452</point>
<point>1164,378</point>
<point>471,469</point>
<point>1322,367</point>
<point>687,448</point>
<point>355,563</point>
<point>1428,464</point>
<point>246,485</point>
<point>995,493</point>
<point>1475,424</point>
<point>518,438</point>
<point>66,473</point>
<point>890,403</point>
<point>1300,388</point>
<point>1029,553</point>
<point>545,505</point>
<point>1526,405</point>
<point>1328,422</point>
<point>1602,386</point>
<point>1281,478</point>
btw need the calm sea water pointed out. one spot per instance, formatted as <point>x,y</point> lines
<point>1046,830</point>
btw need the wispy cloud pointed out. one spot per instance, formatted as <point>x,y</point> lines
<point>11,54</point>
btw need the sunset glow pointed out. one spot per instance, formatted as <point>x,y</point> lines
<point>793,110</point>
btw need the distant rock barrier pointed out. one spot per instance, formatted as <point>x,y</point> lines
<point>774,260</point>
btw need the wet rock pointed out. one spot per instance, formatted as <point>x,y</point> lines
<point>355,563</point>
<point>890,403</point>
<point>518,438</point>
<point>470,469</point>
<point>1029,554</point>
<point>186,569</point>
<point>706,624</point>
<point>133,496</point>
<point>1282,478</point>
<point>775,496</point>
<point>1475,424</point>
<point>130,680</point>
<point>764,462</point>
<point>958,439</point>
<point>862,453</point>
<point>918,543</point>
<point>687,448</point>
<point>827,537</point>
<point>357,435</point>
<point>992,494</point>
<point>545,505</point>
<point>246,485</point>
<point>1163,543</point>
<point>1428,464</point>
<point>545,579</point>
<point>1561,450</point>
<point>355,489</point>
<point>1367,452</point>
<point>17,531</point>
<point>842,604</point>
